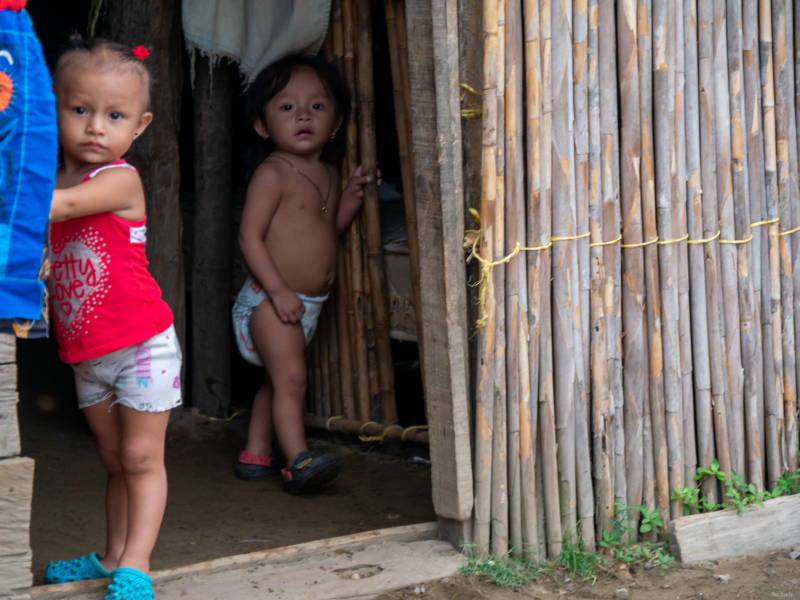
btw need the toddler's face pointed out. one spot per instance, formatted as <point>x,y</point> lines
<point>100,113</point>
<point>302,117</point>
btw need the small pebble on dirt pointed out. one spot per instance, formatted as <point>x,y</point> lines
<point>621,593</point>
<point>648,566</point>
<point>773,572</point>
<point>666,586</point>
<point>724,578</point>
<point>794,555</point>
<point>356,576</point>
<point>711,565</point>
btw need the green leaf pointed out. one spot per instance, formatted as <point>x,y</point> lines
<point>645,528</point>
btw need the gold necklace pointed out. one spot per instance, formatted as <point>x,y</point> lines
<point>311,181</point>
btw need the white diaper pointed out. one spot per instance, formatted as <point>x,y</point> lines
<point>250,296</point>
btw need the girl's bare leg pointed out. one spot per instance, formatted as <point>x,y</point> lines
<point>259,434</point>
<point>105,425</point>
<point>281,347</point>
<point>142,461</point>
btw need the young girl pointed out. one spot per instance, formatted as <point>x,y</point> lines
<point>292,218</point>
<point>110,321</point>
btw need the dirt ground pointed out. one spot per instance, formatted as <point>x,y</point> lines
<point>210,513</point>
<point>772,575</point>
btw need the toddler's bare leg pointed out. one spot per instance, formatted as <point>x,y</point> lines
<point>142,460</point>
<point>281,347</point>
<point>259,435</point>
<point>104,422</point>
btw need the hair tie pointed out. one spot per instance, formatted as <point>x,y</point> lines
<point>141,52</point>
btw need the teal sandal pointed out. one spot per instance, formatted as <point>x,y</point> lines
<point>129,584</point>
<point>78,569</point>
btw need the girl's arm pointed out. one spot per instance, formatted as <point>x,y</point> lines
<point>118,191</point>
<point>351,199</point>
<point>263,198</point>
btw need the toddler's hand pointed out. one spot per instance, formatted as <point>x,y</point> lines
<point>355,187</point>
<point>288,306</point>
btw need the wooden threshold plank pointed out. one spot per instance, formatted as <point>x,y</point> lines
<point>243,562</point>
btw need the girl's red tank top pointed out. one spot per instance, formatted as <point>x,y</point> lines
<point>102,296</point>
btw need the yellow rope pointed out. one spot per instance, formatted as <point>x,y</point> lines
<point>572,237</point>
<point>667,242</point>
<point>471,89</point>
<point>744,241</point>
<point>407,429</point>
<point>760,223</point>
<point>608,243</point>
<point>653,241</point>
<point>328,423</point>
<point>471,113</point>
<point>231,418</point>
<point>704,240</point>
<point>791,231</point>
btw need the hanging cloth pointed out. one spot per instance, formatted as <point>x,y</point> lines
<point>28,152</point>
<point>255,33</point>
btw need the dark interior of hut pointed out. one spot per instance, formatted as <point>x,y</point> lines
<point>211,513</point>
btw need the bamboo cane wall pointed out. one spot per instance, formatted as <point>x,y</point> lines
<point>649,323</point>
<point>639,254</point>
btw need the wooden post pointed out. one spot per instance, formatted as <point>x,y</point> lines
<point>333,349</point>
<point>157,25</point>
<point>697,274</point>
<point>211,323</point>
<point>635,384</point>
<point>16,484</point>
<point>436,129</point>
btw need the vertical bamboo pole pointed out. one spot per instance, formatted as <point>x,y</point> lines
<point>335,366</point>
<point>634,346</point>
<point>773,397</point>
<point>663,80</point>
<point>375,412</point>
<point>516,304</point>
<point>783,104</point>
<point>499,543</point>
<point>741,209</point>
<point>325,366</point>
<point>406,155</point>
<point>547,414</point>
<point>484,411</point>
<point>316,370</point>
<point>729,254</point>
<point>794,165</point>
<point>580,69</point>
<point>602,412</point>
<point>699,309</point>
<point>357,303</point>
<point>563,226</point>
<point>529,361</point>
<point>791,424</point>
<point>652,277</point>
<point>609,168</point>
<point>583,463</point>
<point>375,266</point>
<point>687,426</point>
<point>708,180</point>
<point>759,261</point>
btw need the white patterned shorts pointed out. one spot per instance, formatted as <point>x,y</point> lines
<point>145,377</point>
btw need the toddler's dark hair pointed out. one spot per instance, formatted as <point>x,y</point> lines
<point>276,77</point>
<point>105,54</point>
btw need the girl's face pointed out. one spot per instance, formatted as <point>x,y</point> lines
<point>302,117</point>
<point>100,113</point>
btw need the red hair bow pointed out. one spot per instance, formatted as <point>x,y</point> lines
<point>141,52</point>
<point>15,5</point>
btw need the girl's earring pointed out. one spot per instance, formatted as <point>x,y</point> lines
<point>334,135</point>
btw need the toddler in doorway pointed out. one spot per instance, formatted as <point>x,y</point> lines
<point>111,324</point>
<point>293,216</point>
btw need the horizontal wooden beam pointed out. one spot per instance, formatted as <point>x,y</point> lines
<point>726,533</point>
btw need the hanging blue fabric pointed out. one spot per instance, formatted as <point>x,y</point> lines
<point>28,155</point>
